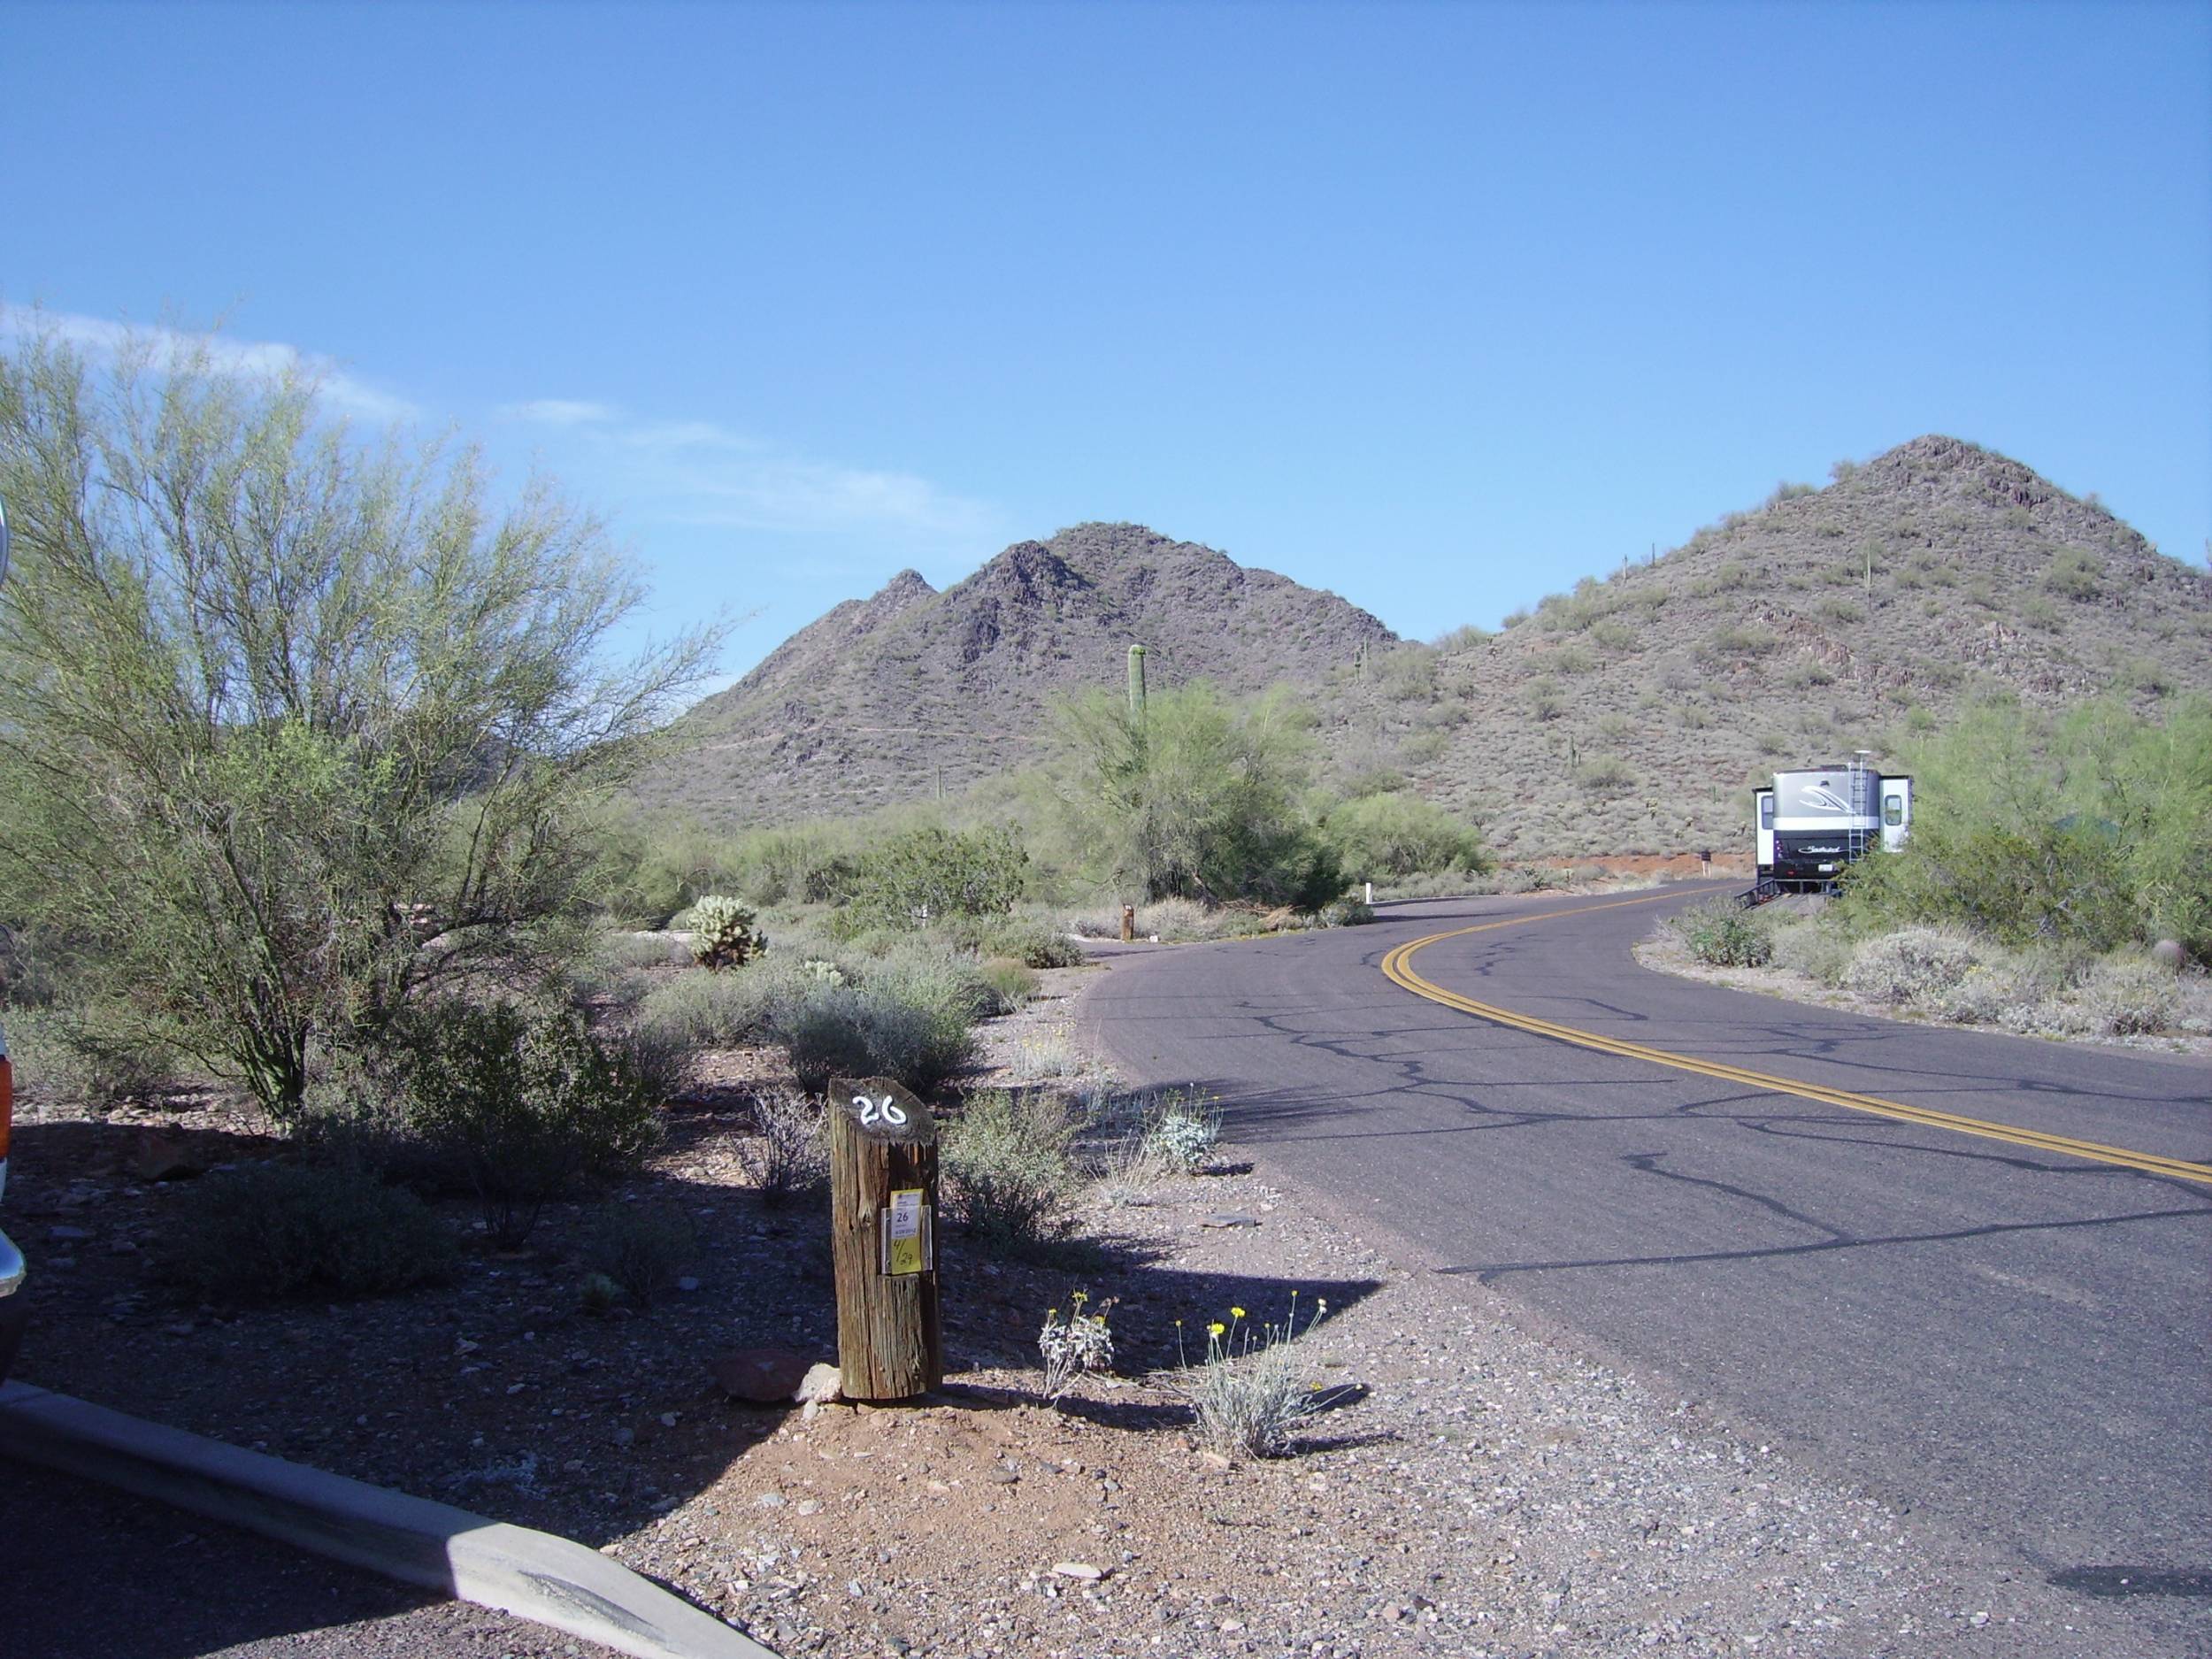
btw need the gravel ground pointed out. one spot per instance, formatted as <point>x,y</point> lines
<point>1474,1487</point>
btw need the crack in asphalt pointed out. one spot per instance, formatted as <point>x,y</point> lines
<point>1491,1273</point>
<point>1649,1162</point>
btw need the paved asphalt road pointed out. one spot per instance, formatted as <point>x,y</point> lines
<point>2016,1340</point>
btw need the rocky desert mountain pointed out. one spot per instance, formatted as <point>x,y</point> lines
<point>1629,716</point>
<point>912,693</point>
<point>1634,713</point>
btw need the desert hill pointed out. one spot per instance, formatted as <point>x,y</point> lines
<point>1633,714</point>
<point>1629,716</point>
<point>913,693</point>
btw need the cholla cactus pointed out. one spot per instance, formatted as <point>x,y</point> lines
<point>722,934</point>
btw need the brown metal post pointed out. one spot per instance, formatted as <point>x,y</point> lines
<point>1128,924</point>
<point>883,1222</point>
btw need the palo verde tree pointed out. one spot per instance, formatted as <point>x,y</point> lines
<point>295,728</point>
<point>2090,830</point>
<point>1186,795</point>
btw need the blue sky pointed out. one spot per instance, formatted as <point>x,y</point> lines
<point>1439,306</point>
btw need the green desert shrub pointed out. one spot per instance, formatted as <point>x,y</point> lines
<point>796,864</point>
<point>1383,837</point>
<point>930,873</point>
<point>1194,796</point>
<point>823,1035</point>
<point>1615,636</point>
<point>1034,942</point>
<point>2092,831</point>
<point>921,1042</point>
<point>935,977</point>
<point>2128,997</point>
<point>1009,1160</point>
<point>1913,966</point>
<point>658,1059</point>
<point>1804,946</point>
<point>1606,774</point>
<point>1407,674</point>
<point>913,1027</point>
<point>1734,641</point>
<point>1463,638</point>
<point>61,1053</point>
<point>731,1010</point>
<point>1721,936</point>
<point>2074,573</point>
<point>1176,921</point>
<point>524,1104</point>
<point>1014,982</point>
<point>276,1230</point>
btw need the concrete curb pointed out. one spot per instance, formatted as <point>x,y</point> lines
<point>532,1575</point>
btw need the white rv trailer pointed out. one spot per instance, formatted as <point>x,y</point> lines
<point>1811,824</point>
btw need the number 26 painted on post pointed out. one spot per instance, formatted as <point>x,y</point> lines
<point>876,1112</point>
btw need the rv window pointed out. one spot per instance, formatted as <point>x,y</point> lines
<point>1766,811</point>
<point>1893,809</point>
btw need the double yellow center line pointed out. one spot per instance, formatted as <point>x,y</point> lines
<point>1398,967</point>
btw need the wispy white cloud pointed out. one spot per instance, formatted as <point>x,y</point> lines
<point>240,359</point>
<point>770,492</point>
<point>692,471</point>
<point>560,411</point>
<point>701,472</point>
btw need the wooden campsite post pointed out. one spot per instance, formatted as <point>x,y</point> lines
<point>883,1217</point>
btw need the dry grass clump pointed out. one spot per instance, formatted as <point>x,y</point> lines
<point>1171,921</point>
<point>787,1158</point>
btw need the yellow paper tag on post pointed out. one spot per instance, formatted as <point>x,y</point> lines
<point>904,1250</point>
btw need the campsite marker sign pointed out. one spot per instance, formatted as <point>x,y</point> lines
<point>883,1217</point>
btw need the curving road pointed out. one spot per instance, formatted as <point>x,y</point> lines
<point>2014,1337</point>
